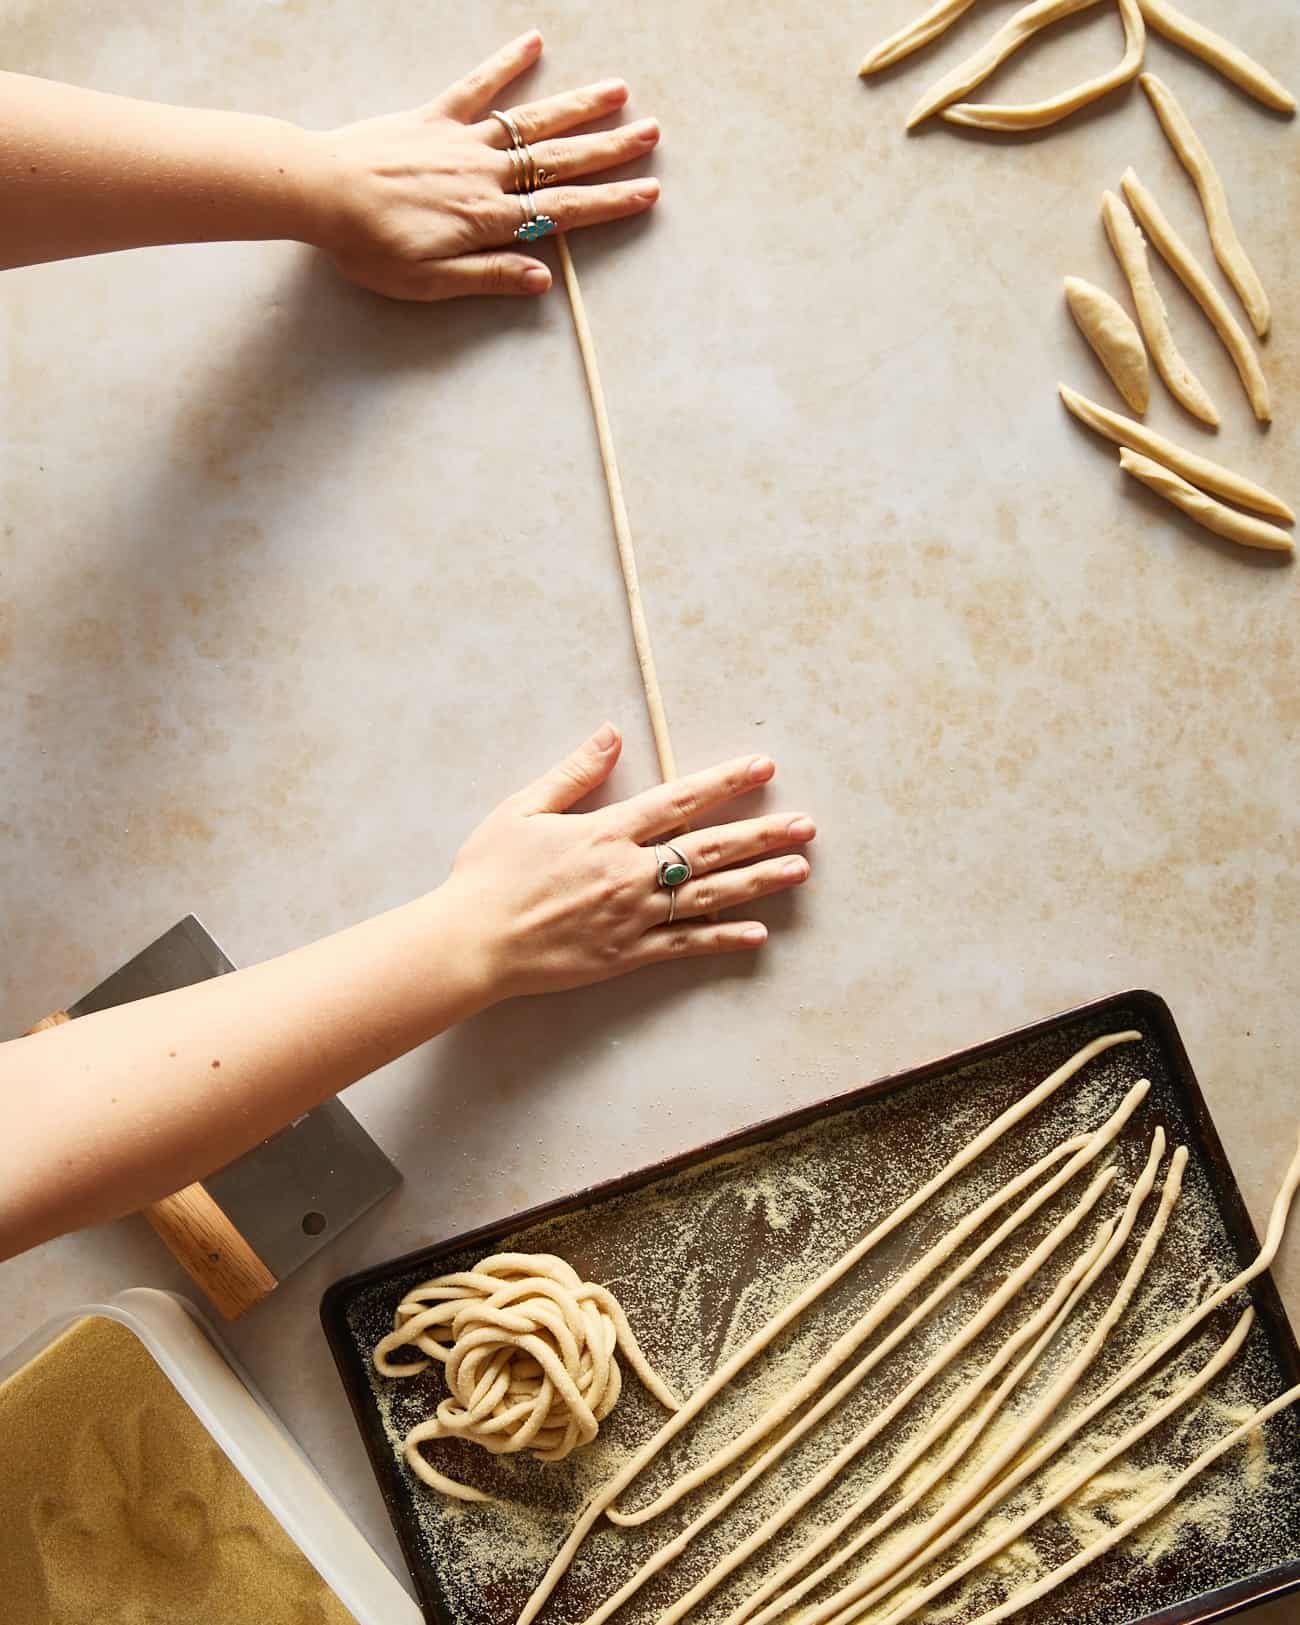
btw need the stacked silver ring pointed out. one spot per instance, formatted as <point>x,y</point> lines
<point>527,178</point>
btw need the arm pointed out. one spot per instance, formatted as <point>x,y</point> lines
<point>417,205</point>
<point>85,173</point>
<point>105,1114</point>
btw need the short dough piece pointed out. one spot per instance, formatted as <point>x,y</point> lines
<point>1110,330</point>
<point>1232,62</point>
<point>1226,522</point>
<point>1191,154</point>
<point>1131,252</point>
<point>1210,476</point>
<point>1019,27</point>
<point>1034,115</point>
<point>1189,271</point>
<point>920,32</point>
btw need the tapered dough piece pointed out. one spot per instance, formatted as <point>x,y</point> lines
<point>1222,1357</point>
<point>1225,522</point>
<point>1040,1331</point>
<point>1042,1453</point>
<point>1113,335</point>
<point>1019,27</point>
<point>1010,1465</point>
<point>802,1391</point>
<point>1229,59</point>
<point>988,1136</point>
<point>1192,155</point>
<point>1034,115</point>
<point>1210,476</point>
<point>1144,1514</point>
<point>1015,1283</point>
<point>1131,252</point>
<point>917,33</point>
<point>1187,268</point>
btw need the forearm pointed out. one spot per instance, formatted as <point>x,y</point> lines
<point>86,173</point>
<point>102,1115</point>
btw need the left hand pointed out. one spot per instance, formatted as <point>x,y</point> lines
<point>552,899</point>
<point>422,205</point>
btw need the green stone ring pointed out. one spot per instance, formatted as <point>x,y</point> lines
<point>673,870</point>
<point>533,231</point>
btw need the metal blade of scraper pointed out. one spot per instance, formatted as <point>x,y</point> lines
<point>289,1196</point>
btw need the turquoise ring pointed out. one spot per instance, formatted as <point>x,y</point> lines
<point>675,869</point>
<point>532,230</point>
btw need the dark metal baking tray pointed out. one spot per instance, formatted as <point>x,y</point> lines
<point>604,1222</point>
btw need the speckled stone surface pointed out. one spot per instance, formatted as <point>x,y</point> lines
<point>295,583</point>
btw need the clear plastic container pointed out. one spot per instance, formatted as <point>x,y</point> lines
<point>224,1398</point>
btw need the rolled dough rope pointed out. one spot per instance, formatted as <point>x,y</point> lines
<point>1034,115</point>
<point>1086,1149</point>
<point>989,1483</point>
<point>920,32</point>
<point>765,1334</point>
<point>1014,1284</point>
<point>1110,331</point>
<point>1189,271</point>
<point>1043,1452</point>
<point>1130,251</point>
<point>527,1349</point>
<point>1043,1328</point>
<point>1221,1358</point>
<point>618,513</point>
<point>1192,155</point>
<point>1019,27</point>
<point>1229,59</point>
<point>1225,522</point>
<point>674,1548</point>
<point>1121,1532</point>
<point>1210,476</point>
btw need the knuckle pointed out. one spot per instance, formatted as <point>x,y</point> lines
<point>705,899</point>
<point>496,279</point>
<point>710,853</point>
<point>679,943</point>
<point>685,803</point>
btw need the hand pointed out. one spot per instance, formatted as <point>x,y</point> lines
<point>422,205</point>
<point>560,899</point>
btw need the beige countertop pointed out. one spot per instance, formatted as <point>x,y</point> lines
<point>295,583</point>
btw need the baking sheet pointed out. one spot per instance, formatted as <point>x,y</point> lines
<point>703,1249</point>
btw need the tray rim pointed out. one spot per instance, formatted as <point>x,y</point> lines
<point>1234,1598</point>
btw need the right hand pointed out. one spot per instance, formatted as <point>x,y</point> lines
<point>555,899</point>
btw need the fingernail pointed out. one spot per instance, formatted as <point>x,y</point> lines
<point>532,39</point>
<point>761,769</point>
<point>647,131</point>
<point>648,191</point>
<point>801,829</point>
<point>538,280</point>
<point>603,738</point>
<point>615,89</point>
<point>754,934</point>
<point>795,869</point>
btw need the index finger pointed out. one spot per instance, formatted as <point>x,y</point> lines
<point>470,98</point>
<point>678,803</point>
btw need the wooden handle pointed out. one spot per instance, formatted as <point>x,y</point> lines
<point>203,1241</point>
<point>201,1238</point>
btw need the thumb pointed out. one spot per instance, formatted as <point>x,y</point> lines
<point>576,776</point>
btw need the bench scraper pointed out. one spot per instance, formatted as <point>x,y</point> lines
<point>251,1223</point>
